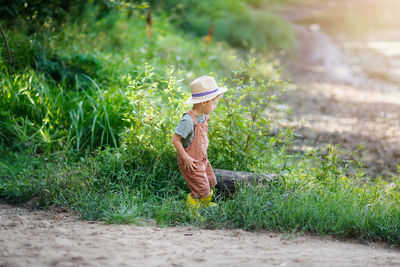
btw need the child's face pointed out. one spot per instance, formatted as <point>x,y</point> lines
<point>210,105</point>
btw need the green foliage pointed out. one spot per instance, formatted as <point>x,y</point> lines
<point>37,12</point>
<point>239,129</point>
<point>235,22</point>
<point>63,95</point>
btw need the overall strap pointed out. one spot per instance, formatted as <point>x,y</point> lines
<point>191,113</point>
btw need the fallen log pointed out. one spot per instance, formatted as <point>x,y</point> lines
<point>226,180</point>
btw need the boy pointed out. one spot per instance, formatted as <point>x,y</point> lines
<point>191,142</point>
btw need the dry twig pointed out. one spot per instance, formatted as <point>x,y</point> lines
<point>149,27</point>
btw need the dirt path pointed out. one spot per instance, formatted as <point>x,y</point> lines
<point>39,238</point>
<point>346,90</point>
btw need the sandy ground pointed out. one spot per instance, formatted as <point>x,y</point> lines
<point>344,91</point>
<point>50,238</point>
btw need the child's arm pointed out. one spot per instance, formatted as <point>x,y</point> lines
<point>188,161</point>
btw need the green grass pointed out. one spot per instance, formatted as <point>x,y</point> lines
<point>107,187</point>
<point>74,93</point>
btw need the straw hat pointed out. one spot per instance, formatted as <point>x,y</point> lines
<point>203,89</point>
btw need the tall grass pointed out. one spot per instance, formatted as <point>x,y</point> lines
<point>73,93</point>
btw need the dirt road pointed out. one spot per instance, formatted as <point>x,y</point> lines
<point>39,238</point>
<point>346,89</point>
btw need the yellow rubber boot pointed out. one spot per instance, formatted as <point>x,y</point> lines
<point>192,203</point>
<point>206,201</point>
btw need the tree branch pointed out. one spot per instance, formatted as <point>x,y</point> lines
<point>5,40</point>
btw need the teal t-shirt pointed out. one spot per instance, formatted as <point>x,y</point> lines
<point>185,128</point>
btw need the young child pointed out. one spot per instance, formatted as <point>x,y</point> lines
<point>191,142</point>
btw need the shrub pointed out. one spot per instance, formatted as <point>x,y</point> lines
<point>235,22</point>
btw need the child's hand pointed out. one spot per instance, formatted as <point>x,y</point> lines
<point>190,163</point>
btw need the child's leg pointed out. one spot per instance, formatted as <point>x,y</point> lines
<point>210,175</point>
<point>197,181</point>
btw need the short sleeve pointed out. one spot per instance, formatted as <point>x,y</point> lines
<point>185,127</point>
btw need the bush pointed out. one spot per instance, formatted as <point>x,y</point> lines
<point>73,93</point>
<point>235,22</point>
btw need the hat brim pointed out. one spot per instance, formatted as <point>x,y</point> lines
<point>196,100</point>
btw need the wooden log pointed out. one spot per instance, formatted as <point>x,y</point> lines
<point>226,180</point>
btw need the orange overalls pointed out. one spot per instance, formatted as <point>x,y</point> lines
<point>202,178</point>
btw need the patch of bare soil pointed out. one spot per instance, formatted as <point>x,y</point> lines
<point>345,92</point>
<point>56,238</point>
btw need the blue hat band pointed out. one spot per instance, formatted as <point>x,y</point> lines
<point>205,93</point>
